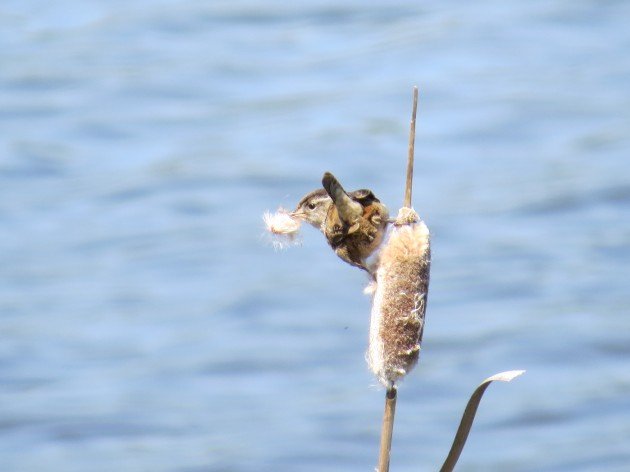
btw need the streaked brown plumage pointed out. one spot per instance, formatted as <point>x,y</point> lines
<point>354,223</point>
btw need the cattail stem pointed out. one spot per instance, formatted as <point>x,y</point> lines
<point>387,430</point>
<point>380,362</point>
<point>412,140</point>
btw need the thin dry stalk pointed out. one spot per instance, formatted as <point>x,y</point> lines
<point>410,153</point>
<point>387,430</point>
<point>469,416</point>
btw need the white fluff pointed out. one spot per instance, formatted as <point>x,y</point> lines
<point>283,227</point>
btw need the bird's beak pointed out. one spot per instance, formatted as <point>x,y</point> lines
<point>297,213</point>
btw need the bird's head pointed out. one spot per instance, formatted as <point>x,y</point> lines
<point>313,208</point>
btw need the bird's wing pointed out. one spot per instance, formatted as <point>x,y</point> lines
<point>364,196</point>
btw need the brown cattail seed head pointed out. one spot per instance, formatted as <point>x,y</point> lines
<point>398,307</point>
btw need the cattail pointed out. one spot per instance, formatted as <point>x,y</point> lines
<point>399,304</point>
<point>283,227</point>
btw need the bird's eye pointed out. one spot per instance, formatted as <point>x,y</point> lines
<point>311,206</point>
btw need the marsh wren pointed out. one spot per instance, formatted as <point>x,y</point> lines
<point>354,223</point>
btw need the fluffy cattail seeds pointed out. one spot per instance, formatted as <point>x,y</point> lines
<point>399,304</point>
<point>283,227</point>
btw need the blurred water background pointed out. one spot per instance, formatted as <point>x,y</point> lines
<point>147,324</point>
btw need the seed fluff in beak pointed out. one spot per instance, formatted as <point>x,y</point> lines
<point>283,227</point>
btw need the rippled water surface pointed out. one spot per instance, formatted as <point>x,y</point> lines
<point>147,324</point>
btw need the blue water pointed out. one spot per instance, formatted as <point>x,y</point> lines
<point>146,323</point>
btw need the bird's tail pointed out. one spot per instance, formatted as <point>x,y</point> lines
<point>349,210</point>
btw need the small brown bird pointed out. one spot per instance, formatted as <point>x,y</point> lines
<point>354,223</point>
